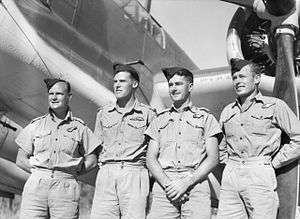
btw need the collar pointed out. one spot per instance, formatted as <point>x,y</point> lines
<point>69,115</point>
<point>258,97</point>
<point>186,106</point>
<point>135,106</point>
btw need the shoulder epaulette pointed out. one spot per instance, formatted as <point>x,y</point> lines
<point>108,106</point>
<point>195,109</point>
<point>78,120</point>
<point>267,105</point>
<point>38,118</point>
<point>268,101</point>
<point>99,108</point>
<point>204,109</point>
<point>163,111</point>
<point>148,107</point>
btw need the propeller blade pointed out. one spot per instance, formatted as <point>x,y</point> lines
<point>285,89</point>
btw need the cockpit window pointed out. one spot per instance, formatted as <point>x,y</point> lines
<point>138,14</point>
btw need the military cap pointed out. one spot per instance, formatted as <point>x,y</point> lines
<point>170,72</point>
<point>118,67</point>
<point>238,64</point>
<point>51,81</point>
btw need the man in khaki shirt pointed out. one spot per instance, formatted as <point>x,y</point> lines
<point>55,149</point>
<point>122,185</point>
<point>251,149</point>
<point>182,151</point>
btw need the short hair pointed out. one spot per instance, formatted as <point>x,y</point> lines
<point>237,64</point>
<point>170,72</point>
<point>51,81</point>
<point>119,67</point>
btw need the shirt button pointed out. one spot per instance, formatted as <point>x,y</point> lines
<point>179,133</point>
<point>242,124</point>
<point>241,138</point>
<point>56,139</point>
<point>178,146</point>
<point>180,119</point>
<point>54,152</point>
<point>179,161</point>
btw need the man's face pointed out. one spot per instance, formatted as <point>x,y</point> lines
<point>58,96</point>
<point>245,81</point>
<point>124,85</point>
<point>179,88</point>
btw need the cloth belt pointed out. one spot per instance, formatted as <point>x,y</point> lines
<point>261,160</point>
<point>52,173</point>
<point>122,164</point>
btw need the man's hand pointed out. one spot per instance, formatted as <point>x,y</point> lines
<point>177,188</point>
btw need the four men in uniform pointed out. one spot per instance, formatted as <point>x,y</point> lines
<point>182,149</point>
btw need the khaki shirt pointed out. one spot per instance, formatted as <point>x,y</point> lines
<point>57,145</point>
<point>122,133</point>
<point>255,130</point>
<point>182,135</point>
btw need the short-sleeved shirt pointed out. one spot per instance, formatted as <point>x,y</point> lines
<point>57,145</point>
<point>182,136</point>
<point>122,132</point>
<point>255,129</point>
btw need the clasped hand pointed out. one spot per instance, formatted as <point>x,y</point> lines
<point>176,190</point>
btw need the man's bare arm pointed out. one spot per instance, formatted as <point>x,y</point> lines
<point>153,164</point>
<point>90,162</point>
<point>22,160</point>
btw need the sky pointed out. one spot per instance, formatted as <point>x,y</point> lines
<point>198,26</point>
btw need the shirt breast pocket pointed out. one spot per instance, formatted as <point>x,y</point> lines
<point>135,130</point>
<point>259,124</point>
<point>231,129</point>
<point>194,131</point>
<point>165,132</point>
<point>70,142</point>
<point>42,141</point>
<point>109,129</point>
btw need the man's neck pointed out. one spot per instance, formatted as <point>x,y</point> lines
<point>248,99</point>
<point>59,115</point>
<point>179,106</point>
<point>126,103</point>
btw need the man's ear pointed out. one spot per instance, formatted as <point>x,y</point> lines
<point>257,78</point>
<point>191,87</point>
<point>70,96</point>
<point>135,84</point>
